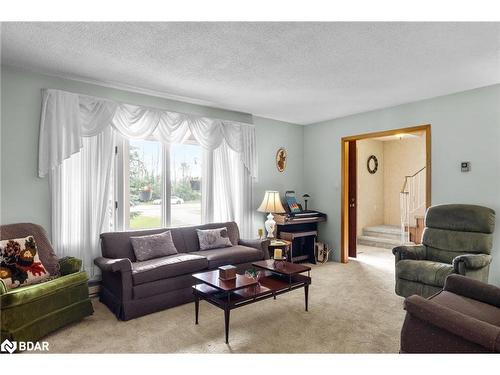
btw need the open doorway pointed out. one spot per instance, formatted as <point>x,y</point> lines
<point>386,187</point>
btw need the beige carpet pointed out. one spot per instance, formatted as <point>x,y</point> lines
<point>352,309</point>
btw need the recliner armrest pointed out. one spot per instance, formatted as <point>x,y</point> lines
<point>471,262</point>
<point>415,252</point>
<point>259,244</point>
<point>454,322</point>
<point>113,265</point>
<point>473,289</point>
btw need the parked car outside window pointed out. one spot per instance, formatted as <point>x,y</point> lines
<point>173,200</point>
<point>176,200</point>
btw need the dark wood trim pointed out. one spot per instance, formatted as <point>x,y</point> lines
<point>344,203</point>
<point>352,196</point>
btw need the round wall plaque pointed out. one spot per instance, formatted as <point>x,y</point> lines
<point>372,164</point>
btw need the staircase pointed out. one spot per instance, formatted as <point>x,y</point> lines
<point>385,236</point>
<point>412,204</point>
<point>416,231</point>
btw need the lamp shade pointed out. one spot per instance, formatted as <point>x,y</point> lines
<point>271,203</point>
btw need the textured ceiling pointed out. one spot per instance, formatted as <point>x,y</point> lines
<point>296,72</point>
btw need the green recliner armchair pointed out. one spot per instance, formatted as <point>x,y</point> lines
<point>457,239</point>
<point>30,312</point>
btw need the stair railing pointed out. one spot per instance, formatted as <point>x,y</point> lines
<point>411,199</point>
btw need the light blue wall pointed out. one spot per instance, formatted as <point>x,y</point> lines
<point>465,127</point>
<point>25,197</point>
<point>271,135</point>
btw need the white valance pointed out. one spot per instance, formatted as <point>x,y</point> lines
<point>67,117</point>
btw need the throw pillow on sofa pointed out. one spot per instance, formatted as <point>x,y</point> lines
<point>153,246</point>
<point>213,238</point>
<point>20,264</point>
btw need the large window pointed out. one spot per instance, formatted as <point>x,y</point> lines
<point>185,177</point>
<point>144,199</point>
<point>144,184</point>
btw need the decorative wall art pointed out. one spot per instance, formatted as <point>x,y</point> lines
<point>372,164</point>
<point>281,157</point>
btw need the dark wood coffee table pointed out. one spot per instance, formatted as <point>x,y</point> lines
<point>278,277</point>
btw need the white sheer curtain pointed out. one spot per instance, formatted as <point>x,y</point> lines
<point>77,135</point>
<point>231,189</point>
<point>68,117</point>
<point>81,190</point>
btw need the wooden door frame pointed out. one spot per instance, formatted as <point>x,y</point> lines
<point>344,203</point>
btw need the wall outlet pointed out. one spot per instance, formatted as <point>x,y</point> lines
<point>465,166</point>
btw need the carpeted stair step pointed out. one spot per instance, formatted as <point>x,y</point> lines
<point>383,231</point>
<point>387,243</point>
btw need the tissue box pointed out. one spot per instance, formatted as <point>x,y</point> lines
<point>227,272</point>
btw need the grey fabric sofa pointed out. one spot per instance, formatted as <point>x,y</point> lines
<point>457,239</point>
<point>131,289</point>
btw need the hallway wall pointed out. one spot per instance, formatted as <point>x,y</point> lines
<point>465,127</point>
<point>370,205</point>
<point>402,157</point>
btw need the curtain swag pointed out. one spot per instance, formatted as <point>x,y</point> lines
<point>68,117</point>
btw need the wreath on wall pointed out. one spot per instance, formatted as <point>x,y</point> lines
<point>372,164</point>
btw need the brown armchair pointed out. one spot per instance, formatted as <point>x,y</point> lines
<point>463,318</point>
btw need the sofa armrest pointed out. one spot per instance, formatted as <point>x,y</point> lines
<point>69,265</point>
<point>474,330</point>
<point>262,245</point>
<point>415,252</point>
<point>113,265</point>
<point>116,276</point>
<point>465,262</point>
<point>473,289</point>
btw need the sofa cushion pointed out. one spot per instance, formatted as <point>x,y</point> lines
<point>191,237</point>
<point>423,271</point>
<point>231,255</point>
<point>213,238</point>
<point>20,264</point>
<point>470,307</point>
<point>116,245</point>
<point>30,293</point>
<point>153,246</point>
<point>45,251</point>
<point>460,242</point>
<point>461,217</point>
<point>165,267</point>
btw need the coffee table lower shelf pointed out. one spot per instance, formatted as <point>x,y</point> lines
<point>269,286</point>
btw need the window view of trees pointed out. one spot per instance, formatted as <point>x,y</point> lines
<point>185,173</point>
<point>187,187</point>
<point>145,184</point>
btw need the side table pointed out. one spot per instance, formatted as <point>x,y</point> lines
<point>284,245</point>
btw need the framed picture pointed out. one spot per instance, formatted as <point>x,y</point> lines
<point>281,159</point>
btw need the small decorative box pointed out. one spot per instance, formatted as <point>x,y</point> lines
<point>227,272</point>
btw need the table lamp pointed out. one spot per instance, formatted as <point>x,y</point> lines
<point>272,204</point>
<point>306,197</point>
